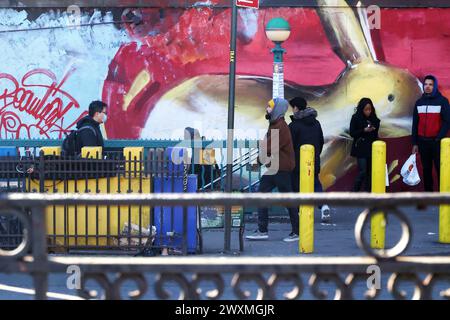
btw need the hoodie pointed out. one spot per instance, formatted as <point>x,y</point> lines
<point>306,129</point>
<point>285,150</point>
<point>431,116</point>
<point>86,137</point>
<point>279,109</point>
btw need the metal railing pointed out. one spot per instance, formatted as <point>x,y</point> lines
<point>211,177</point>
<point>265,273</point>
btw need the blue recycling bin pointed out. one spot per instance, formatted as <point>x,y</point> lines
<point>8,152</point>
<point>169,220</point>
<point>11,179</point>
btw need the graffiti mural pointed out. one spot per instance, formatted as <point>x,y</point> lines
<point>170,72</point>
<point>49,72</point>
<point>48,110</point>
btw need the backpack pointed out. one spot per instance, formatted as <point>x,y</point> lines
<point>71,145</point>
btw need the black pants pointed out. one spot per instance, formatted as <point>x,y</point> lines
<point>364,175</point>
<point>282,181</point>
<point>430,152</point>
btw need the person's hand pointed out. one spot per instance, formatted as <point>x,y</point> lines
<point>415,149</point>
<point>369,129</point>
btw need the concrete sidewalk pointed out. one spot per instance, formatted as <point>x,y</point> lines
<point>334,239</point>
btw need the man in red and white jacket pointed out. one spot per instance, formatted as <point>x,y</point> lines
<point>431,122</point>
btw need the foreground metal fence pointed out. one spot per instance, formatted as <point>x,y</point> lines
<point>270,277</point>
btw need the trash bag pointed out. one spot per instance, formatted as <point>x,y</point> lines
<point>131,236</point>
<point>409,172</point>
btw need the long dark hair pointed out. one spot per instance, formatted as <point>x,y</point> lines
<point>361,105</point>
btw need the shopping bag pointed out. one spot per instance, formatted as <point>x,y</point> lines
<point>409,171</point>
<point>387,176</point>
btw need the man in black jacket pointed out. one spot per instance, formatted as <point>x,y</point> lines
<point>89,134</point>
<point>306,129</point>
<point>431,122</point>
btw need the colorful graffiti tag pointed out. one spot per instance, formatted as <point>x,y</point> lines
<point>47,110</point>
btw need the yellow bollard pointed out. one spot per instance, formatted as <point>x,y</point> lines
<point>378,223</point>
<point>134,156</point>
<point>91,152</point>
<point>50,151</point>
<point>444,210</point>
<point>306,240</point>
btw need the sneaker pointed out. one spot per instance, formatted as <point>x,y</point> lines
<point>257,235</point>
<point>326,214</point>
<point>291,237</point>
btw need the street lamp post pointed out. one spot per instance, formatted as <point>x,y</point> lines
<point>278,31</point>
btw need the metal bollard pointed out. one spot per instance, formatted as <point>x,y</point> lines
<point>444,210</point>
<point>306,228</point>
<point>378,223</point>
<point>50,151</point>
<point>91,152</point>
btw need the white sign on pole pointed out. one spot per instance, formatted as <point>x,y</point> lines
<point>278,80</point>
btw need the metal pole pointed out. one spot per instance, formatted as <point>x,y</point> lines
<point>278,71</point>
<point>39,250</point>
<point>230,138</point>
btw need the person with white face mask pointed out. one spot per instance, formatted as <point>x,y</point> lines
<point>89,133</point>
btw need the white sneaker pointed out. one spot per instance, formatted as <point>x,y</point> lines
<point>326,214</point>
<point>257,235</point>
<point>291,237</point>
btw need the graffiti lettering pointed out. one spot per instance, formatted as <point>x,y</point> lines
<point>39,95</point>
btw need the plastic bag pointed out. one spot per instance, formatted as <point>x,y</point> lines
<point>409,171</point>
<point>387,176</point>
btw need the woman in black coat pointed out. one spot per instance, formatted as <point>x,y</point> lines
<point>364,128</point>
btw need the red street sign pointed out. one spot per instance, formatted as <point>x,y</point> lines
<point>248,3</point>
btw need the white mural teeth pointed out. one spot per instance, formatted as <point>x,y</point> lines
<point>49,42</point>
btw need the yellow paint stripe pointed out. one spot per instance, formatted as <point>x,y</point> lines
<point>141,81</point>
